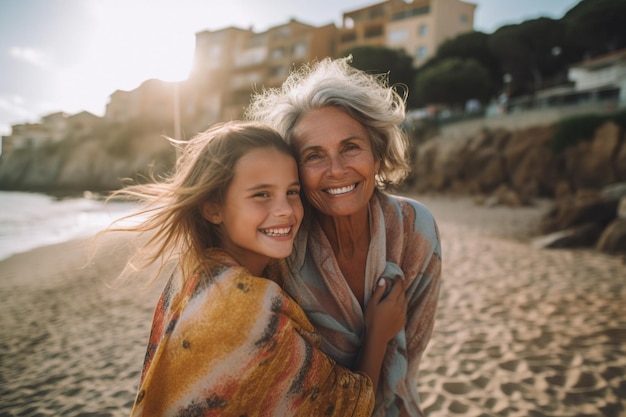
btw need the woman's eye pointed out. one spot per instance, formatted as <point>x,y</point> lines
<point>351,147</point>
<point>311,159</point>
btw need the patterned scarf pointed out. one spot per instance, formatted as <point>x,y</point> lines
<point>226,343</point>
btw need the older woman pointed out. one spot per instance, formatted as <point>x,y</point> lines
<point>343,125</point>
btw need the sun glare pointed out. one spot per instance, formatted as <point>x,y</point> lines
<point>129,43</point>
<point>146,40</point>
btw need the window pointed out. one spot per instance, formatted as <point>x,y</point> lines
<point>348,37</point>
<point>299,50</point>
<point>277,53</point>
<point>282,33</point>
<point>278,71</point>
<point>464,19</point>
<point>422,52</point>
<point>376,12</point>
<point>417,11</point>
<point>374,31</point>
<point>422,30</point>
<point>399,35</point>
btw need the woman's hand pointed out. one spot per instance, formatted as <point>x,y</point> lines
<point>385,316</point>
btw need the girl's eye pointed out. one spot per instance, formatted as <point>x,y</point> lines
<point>262,194</point>
<point>293,192</point>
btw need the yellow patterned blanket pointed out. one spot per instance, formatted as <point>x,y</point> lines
<point>227,343</point>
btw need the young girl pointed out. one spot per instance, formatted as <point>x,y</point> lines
<point>226,340</point>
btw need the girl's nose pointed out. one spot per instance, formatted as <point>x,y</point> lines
<point>283,207</point>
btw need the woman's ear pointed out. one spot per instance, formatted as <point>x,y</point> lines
<point>211,212</point>
<point>377,165</point>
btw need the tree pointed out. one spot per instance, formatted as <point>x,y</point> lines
<point>530,52</point>
<point>597,26</point>
<point>453,81</point>
<point>471,45</point>
<point>380,60</point>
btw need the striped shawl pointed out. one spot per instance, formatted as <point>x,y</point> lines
<point>404,245</point>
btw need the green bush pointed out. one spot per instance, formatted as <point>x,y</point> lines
<point>568,132</point>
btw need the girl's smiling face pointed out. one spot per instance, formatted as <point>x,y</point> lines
<point>262,210</point>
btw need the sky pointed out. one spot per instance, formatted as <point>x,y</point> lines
<point>71,55</point>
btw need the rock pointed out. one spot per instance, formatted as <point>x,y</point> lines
<point>613,238</point>
<point>590,163</point>
<point>507,196</point>
<point>529,161</point>
<point>439,164</point>
<point>620,161</point>
<point>584,207</point>
<point>562,189</point>
<point>621,208</point>
<point>584,235</point>
<point>614,191</point>
<point>486,169</point>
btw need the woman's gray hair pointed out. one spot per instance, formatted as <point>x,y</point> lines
<point>333,82</point>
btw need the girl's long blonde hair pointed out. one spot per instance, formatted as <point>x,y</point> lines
<point>171,226</point>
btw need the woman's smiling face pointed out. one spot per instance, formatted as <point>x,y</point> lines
<point>336,161</point>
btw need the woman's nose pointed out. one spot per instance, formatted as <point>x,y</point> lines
<point>336,164</point>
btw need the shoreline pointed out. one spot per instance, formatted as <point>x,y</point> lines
<point>461,210</point>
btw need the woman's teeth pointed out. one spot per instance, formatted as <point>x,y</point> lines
<point>341,190</point>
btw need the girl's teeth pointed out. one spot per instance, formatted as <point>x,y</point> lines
<point>341,190</point>
<point>283,231</point>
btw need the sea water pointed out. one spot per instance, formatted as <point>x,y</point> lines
<point>31,220</point>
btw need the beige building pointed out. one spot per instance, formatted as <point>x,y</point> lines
<point>152,100</point>
<point>82,125</point>
<point>53,128</point>
<point>418,27</point>
<point>229,64</point>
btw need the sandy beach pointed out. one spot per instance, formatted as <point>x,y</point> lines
<point>520,331</point>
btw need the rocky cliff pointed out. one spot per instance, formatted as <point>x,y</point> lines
<point>523,161</point>
<point>94,164</point>
<point>586,180</point>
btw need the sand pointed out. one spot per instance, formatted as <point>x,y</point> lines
<point>520,331</point>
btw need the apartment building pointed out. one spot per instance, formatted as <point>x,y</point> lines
<point>598,81</point>
<point>229,64</point>
<point>53,128</point>
<point>418,27</point>
<point>152,100</point>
